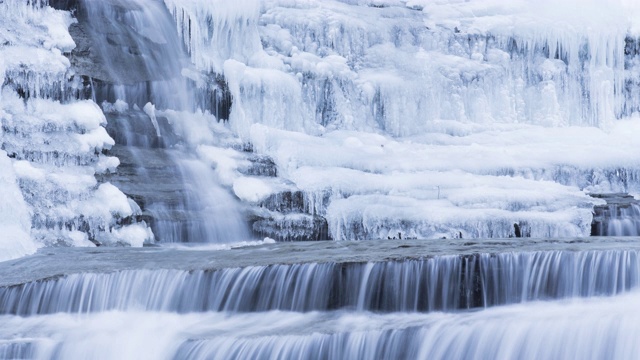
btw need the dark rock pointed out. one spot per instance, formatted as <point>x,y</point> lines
<point>260,165</point>
<point>516,230</point>
<point>135,128</point>
<point>99,40</point>
<point>285,202</point>
<point>110,54</point>
<point>68,5</point>
<point>520,230</point>
<point>158,182</point>
<point>216,97</point>
<point>295,227</point>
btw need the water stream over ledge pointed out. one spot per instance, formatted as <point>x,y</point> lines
<point>369,119</point>
<point>384,299</point>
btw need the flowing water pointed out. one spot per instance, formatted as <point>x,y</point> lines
<point>143,59</point>
<point>442,283</point>
<point>625,221</point>
<point>401,299</point>
<point>619,217</point>
<point>411,300</point>
<point>140,54</point>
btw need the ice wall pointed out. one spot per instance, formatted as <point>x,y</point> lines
<point>396,68</point>
<point>54,141</point>
<point>391,118</point>
<point>404,118</point>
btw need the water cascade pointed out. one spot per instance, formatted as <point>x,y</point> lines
<point>443,283</point>
<point>389,309</point>
<point>135,54</point>
<point>626,223</point>
<point>136,62</point>
<point>619,217</point>
<point>485,141</point>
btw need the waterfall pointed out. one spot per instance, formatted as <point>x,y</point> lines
<point>586,329</point>
<point>457,305</point>
<point>619,217</point>
<point>219,220</point>
<point>625,221</point>
<point>604,329</point>
<point>447,120</point>
<point>442,283</point>
<point>140,57</point>
<point>140,62</point>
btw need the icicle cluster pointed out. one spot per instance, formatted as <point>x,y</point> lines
<point>457,94</point>
<point>56,147</point>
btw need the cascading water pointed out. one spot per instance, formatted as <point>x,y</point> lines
<point>348,98</point>
<point>619,217</point>
<point>627,223</point>
<point>215,216</point>
<point>141,60</point>
<point>139,56</point>
<point>323,310</point>
<point>444,283</point>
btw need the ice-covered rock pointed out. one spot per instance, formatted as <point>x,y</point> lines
<point>424,118</point>
<point>15,219</point>
<point>55,140</point>
<point>356,66</point>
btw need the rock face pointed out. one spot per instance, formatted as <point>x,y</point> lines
<point>57,142</point>
<point>128,55</point>
<point>135,128</point>
<point>619,217</point>
<point>121,54</point>
<point>285,216</point>
<point>117,60</point>
<point>108,51</point>
<point>126,51</point>
<point>157,185</point>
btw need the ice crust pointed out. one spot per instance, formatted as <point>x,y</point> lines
<point>49,189</point>
<point>393,118</point>
<point>431,118</point>
<point>15,220</point>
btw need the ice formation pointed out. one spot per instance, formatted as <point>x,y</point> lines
<point>316,119</point>
<point>55,141</point>
<point>367,119</point>
<point>430,119</point>
<point>15,221</point>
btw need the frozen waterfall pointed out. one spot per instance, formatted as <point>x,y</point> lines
<point>423,102</point>
<point>138,74</point>
<point>167,168</point>
<point>459,119</point>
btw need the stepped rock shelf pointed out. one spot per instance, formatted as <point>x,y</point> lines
<point>56,262</point>
<point>169,170</point>
<point>386,299</point>
<point>434,120</point>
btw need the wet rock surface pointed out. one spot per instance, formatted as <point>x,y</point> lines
<point>283,215</point>
<point>158,184</point>
<point>135,128</point>
<point>55,262</point>
<point>293,227</point>
<point>88,58</point>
